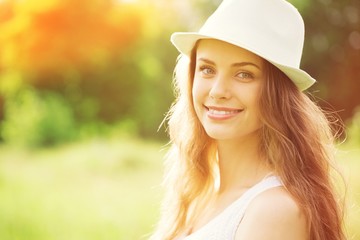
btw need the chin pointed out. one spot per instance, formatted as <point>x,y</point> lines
<point>220,135</point>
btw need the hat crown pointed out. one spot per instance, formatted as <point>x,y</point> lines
<point>273,29</point>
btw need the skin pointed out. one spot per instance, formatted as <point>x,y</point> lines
<point>226,91</point>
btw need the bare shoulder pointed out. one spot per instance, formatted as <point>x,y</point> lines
<point>273,215</point>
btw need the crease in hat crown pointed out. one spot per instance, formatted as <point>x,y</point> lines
<point>272,29</point>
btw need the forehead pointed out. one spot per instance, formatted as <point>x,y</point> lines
<point>222,51</point>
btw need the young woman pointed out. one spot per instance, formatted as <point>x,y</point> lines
<point>251,153</point>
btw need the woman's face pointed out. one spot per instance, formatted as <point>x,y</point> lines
<point>226,89</point>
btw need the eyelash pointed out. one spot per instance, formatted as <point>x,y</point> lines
<point>248,75</point>
<point>203,68</point>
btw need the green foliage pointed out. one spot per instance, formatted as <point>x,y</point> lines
<point>33,119</point>
<point>110,66</point>
<point>301,5</point>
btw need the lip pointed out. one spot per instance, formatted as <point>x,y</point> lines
<point>222,113</point>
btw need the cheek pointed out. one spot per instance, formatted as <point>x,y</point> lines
<point>250,97</point>
<point>255,106</point>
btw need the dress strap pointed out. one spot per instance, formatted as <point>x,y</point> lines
<point>244,201</point>
<point>225,225</point>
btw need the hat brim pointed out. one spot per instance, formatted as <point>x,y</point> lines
<point>185,41</point>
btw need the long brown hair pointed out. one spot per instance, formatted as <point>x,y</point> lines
<point>296,139</point>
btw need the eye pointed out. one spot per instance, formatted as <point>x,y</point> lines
<point>206,70</point>
<point>245,75</point>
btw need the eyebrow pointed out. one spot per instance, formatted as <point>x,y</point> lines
<point>240,64</point>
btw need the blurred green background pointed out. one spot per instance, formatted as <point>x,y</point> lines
<point>84,86</point>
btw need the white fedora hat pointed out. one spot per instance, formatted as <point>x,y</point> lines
<point>272,29</point>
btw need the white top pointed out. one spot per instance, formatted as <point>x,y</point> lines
<point>224,225</point>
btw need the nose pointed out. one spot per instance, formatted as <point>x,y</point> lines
<point>220,88</point>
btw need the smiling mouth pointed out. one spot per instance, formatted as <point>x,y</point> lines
<point>218,111</point>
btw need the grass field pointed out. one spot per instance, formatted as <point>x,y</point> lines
<point>101,189</point>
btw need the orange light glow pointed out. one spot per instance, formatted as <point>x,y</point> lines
<point>38,37</point>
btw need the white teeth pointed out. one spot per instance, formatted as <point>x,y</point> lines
<point>218,112</point>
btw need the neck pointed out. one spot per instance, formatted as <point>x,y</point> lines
<point>240,163</point>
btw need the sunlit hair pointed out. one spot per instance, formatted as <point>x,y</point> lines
<point>297,141</point>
